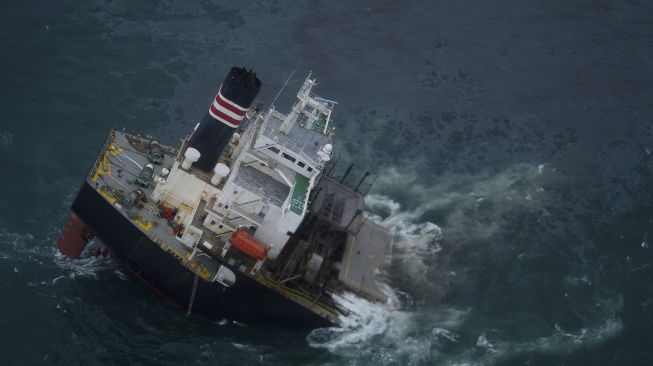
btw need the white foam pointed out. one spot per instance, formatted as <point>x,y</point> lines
<point>241,346</point>
<point>17,241</point>
<point>560,341</point>
<point>118,272</point>
<point>644,243</point>
<point>470,208</point>
<point>384,334</point>
<point>444,334</point>
<point>413,242</point>
<point>473,203</point>
<point>222,322</point>
<point>483,342</point>
<point>578,280</point>
<point>86,266</point>
<point>6,139</point>
<point>540,168</point>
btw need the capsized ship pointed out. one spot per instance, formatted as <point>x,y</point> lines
<point>244,221</point>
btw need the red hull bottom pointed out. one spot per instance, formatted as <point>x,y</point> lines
<point>74,238</point>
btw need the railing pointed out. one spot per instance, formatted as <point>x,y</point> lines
<point>295,148</point>
<point>251,216</point>
<point>308,299</point>
<point>93,173</point>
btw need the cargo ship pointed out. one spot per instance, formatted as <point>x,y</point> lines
<point>249,219</point>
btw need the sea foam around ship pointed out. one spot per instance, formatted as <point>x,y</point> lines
<point>394,333</point>
<point>388,336</point>
<point>385,335</point>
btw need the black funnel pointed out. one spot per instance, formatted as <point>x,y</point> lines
<point>234,98</point>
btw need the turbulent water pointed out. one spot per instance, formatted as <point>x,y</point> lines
<point>513,143</point>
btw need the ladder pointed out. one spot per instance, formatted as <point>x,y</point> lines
<point>193,291</point>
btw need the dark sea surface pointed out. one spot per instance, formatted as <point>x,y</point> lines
<point>513,142</point>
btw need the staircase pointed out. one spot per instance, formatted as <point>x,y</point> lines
<point>288,173</point>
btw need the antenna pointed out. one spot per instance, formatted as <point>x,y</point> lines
<point>362,180</point>
<point>333,166</point>
<point>265,99</point>
<point>369,186</point>
<point>286,81</point>
<point>346,173</point>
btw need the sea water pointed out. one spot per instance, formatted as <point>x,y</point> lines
<point>511,142</point>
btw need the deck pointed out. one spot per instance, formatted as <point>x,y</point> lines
<point>119,164</point>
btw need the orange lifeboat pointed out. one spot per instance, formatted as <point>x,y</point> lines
<point>248,245</point>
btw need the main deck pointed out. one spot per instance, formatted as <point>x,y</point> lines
<point>116,175</point>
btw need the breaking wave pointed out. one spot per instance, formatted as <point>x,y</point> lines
<point>490,350</point>
<point>470,205</point>
<point>385,335</point>
<point>390,336</point>
<point>25,250</point>
<point>413,330</point>
<point>87,266</point>
<point>413,242</point>
<point>457,213</point>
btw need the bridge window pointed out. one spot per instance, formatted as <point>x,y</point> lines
<point>288,157</point>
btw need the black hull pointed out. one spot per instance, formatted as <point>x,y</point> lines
<point>246,301</point>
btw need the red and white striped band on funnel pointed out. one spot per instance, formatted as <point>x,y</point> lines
<point>226,111</point>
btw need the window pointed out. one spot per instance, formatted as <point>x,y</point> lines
<point>273,149</point>
<point>309,169</point>
<point>301,164</point>
<point>288,157</point>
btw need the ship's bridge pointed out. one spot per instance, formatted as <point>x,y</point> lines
<point>297,149</point>
<point>301,140</point>
<point>276,164</point>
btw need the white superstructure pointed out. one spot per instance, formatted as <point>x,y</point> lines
<point>264,184</point>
